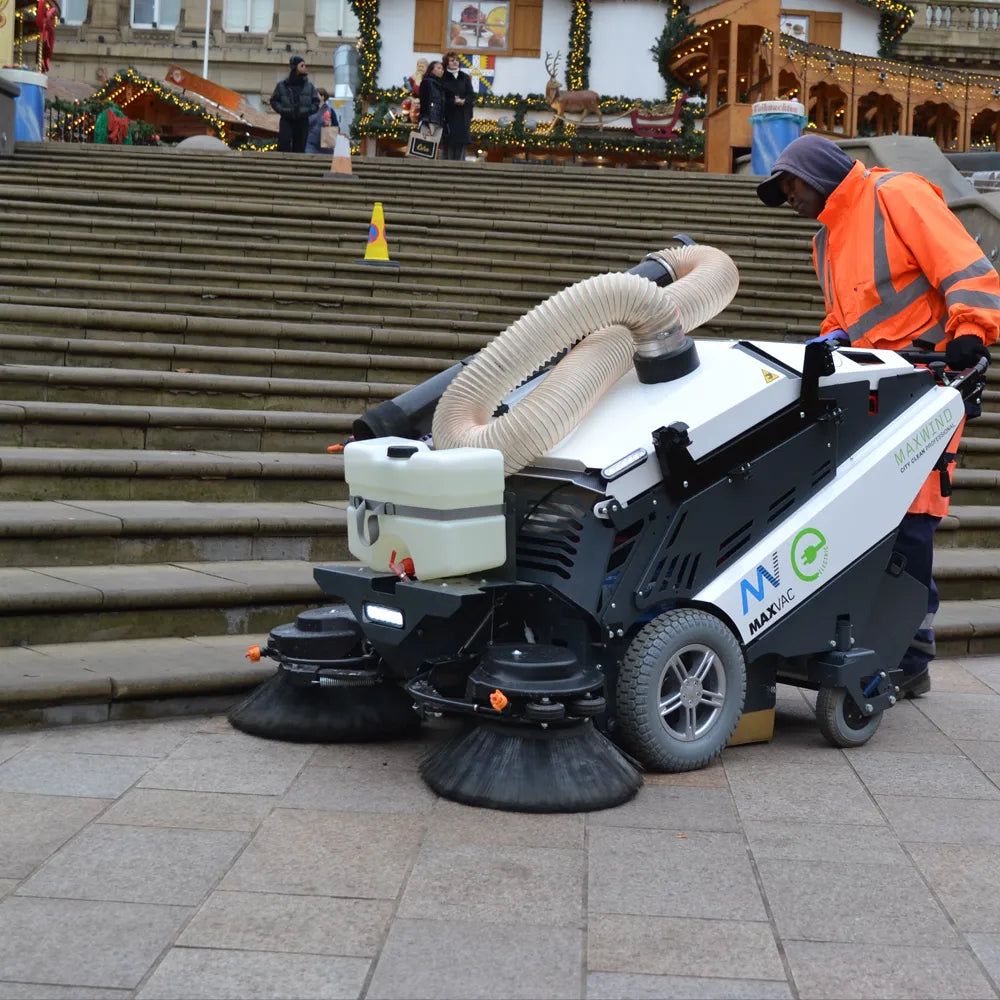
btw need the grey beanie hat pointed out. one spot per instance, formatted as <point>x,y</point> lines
<point>819,161</point>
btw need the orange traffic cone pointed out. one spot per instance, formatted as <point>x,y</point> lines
<point>340,167</point>
<point>377,251</point>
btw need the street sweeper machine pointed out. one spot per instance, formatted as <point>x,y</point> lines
<point>602,543</point>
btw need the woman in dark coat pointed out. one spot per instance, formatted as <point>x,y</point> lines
<point>432,99</point>
<point>459,100</point>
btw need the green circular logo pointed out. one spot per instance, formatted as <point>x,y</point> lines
<point>809,554</point>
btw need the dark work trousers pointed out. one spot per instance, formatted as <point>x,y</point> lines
<point>452,152</point>
<point>915,540</point>
<point>292,135</point>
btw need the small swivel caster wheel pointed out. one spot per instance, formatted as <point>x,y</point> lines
<point>841,722</point>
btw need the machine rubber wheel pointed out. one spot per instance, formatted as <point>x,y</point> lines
<point>840,720</point>
<point>680,692</point>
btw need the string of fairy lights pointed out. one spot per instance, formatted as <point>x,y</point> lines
<point>578,55</point>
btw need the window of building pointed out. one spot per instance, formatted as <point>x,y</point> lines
<point>507,27</point>
<point>253,16</point>
<point>156,13</point>
<point>73,11</point>
<point>478,25</point>
<point>335,17</point>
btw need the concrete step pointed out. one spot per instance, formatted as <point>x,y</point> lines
<point>261,362</point>
<point>444,337</point>
<point>409,235</point>
<point>967,573</point>
<point>980,453</point>
<point>255,289</point>
<point>92,603</point>
<point>199,301</point>
<point>77,682</point>
<point>168,428</point>
<point>975,487</point>
<point>497,310</point>
<point>967,626</point>
<point>138,532</point>
<point>974,527</point>
<point>313,198</point>
<point>129,474</point>
<point>134,387</point>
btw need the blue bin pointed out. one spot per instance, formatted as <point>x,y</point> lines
<point>775,124</point>
<point>29,105</point>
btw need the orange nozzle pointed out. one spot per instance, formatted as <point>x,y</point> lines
<point>498,700</point>
<point>252,654</point>
<point>403,569</point>
<point>335,449</point>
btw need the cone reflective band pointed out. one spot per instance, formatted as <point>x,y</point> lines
<point>377,250</point>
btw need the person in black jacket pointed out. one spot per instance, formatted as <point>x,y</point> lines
<point>295,99</point>
<point>459,100</point>
<point>432,100</point>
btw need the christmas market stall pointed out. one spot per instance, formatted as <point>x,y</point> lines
<point>132,109</point>
<point>742,52</point>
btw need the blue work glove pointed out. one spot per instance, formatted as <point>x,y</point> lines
<point>834,337</point>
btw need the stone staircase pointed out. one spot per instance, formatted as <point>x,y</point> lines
<point>183,335</point>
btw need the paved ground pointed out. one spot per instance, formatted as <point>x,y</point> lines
<point>178,858</point>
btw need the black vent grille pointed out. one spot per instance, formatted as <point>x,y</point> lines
<point>677,572</point>
<point>732,544</point>
<point>548,540</point>
<point>822,472</point>
<point>780,506</point>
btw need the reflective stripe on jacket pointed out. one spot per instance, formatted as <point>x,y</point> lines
<point>896,265</point>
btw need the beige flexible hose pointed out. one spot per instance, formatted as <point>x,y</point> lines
<point>609,317</point>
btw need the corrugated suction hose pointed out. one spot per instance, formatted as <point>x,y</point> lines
<point>609,318</point>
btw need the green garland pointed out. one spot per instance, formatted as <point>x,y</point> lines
<point>516,134</point>
<point>369,46</point>
<point>678,27</point>
<point>893,23</point>
<point>578,57</point>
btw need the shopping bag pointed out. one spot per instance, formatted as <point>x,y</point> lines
<point>328,136</point>
<point>423,146</point>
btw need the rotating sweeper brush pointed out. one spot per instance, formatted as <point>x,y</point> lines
<point>607,564</point>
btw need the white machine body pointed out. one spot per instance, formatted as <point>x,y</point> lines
<point>733,390</point>
<point>864,502</point>
<point>444,509</point>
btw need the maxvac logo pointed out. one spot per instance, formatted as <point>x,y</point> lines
<point>810,554</point>
<point>758,590</point>
<point>748,589</point>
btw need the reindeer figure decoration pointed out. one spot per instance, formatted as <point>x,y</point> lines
<point>585,101</point>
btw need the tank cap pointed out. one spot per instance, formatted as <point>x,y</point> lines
<point>401,450</point>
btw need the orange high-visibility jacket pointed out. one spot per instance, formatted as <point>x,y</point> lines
<point>896,266</point>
